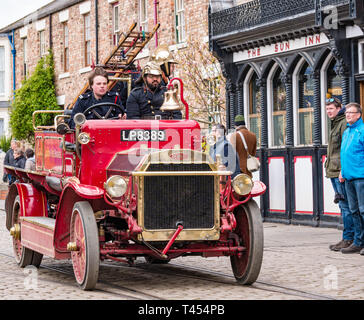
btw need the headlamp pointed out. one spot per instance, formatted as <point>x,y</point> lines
<point>115,186</point>
<point>242,184</point>
<point>83,138</point>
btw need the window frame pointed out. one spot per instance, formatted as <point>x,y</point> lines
<point>3,71</point>
<point>87,39</point>
<point>115,23</point>
<point>66,60</point>
<point>180,12</point>
<point>25,56</point>
<point>143,24</point>
<point>42,43</point>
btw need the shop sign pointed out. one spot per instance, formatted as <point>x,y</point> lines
<point>281,47</point>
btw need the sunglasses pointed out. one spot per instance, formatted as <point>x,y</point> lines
<point>330,100</point>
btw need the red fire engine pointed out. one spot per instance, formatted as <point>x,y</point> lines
<point>123,189</point>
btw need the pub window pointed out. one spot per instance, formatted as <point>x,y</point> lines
<point>2,70</point>
<point>279,110</point>
<point>180,21</point>
<point>66,59</point>
<point>87,40</point>
<point>361,56</point>
<point>305,108</point>
<point>143,15</point>
<point>42,43</point>
<point>254,108</point>
<point>333,87</point>
<point>116,28</point>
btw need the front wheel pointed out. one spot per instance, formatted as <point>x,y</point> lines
<point>84,233</point>
<point>249,229</point>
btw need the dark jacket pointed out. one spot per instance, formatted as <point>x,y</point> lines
<point>87,100</point>
<point>143,103</point>
<point>228,155</point>
<point>338,126</point>
<point>251,141</point>
<point>9,157</point>
<point>19,162</point>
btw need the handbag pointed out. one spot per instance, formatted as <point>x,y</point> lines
<point>252,163</point>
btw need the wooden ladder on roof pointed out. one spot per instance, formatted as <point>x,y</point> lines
<point>122,56</point>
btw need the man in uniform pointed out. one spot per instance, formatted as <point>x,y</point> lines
<point>144,101</point>
<point>98,81</point>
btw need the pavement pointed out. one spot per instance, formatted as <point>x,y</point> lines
<point>297,265</point>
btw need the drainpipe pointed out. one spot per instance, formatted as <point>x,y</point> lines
<point>156,20</point>
<point>97,31</point>
<point>13,52</point>
<point>50,33</point>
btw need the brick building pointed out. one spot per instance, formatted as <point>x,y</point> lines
<point>83,32</point>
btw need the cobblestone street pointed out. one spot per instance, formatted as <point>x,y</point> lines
<point>297,265</point>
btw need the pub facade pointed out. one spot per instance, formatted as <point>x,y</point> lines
<point>282,60</point>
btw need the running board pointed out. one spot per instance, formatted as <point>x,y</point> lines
<point>37,233</point>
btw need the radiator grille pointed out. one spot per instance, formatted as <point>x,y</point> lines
<point>179,198</point>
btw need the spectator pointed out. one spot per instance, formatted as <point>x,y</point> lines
<point>223,148</point>
<point>9,158</point>
<point>336,114</point>
<point>19,162</point>
<point>237,142</point>
<point>30,162</point>
<point>352,172</point>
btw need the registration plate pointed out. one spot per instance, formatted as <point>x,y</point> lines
<point>143,135</point>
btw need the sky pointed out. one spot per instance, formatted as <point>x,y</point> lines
<point>13,10</point>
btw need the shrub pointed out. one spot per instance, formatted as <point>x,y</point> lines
<point>36,93</point>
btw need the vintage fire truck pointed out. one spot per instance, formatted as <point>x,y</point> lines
<point>123,189</point>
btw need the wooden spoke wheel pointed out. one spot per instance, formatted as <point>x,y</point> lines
<point>84,233</point>
<point>23,256</point>
<point>249,229</point>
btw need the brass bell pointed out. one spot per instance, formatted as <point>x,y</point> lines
<point>171,102</point>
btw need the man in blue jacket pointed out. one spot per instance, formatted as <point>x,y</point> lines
<point>352,171</point>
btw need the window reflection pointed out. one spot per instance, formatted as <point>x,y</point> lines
<point>333,88</point>
<point>254,108</point>
<point>279,110</point>
<point>305,110</point>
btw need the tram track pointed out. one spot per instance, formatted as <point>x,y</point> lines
<point>177,270</point>
<point>103,285</point>
<point>217,277</point>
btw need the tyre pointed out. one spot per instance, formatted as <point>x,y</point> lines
<point>249,229</point>
<point>84,232</point>
<point>23,256</point>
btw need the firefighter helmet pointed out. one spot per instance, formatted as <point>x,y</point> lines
<point>163,57</point>
<point>152,68</point>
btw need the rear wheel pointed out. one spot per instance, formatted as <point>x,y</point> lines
<point>249,229</point>
<point>23,256</point>
<point>84,233</point>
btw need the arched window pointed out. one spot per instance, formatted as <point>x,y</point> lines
<point>334,81</point>
<point>279,110</point>
<point>254,108</point>
<point>333,88</point>
<point>305,107</point>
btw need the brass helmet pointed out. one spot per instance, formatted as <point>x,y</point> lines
<point>152,68</point>
<point>163,57</point>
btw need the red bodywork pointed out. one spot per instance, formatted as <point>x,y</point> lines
<point>63,179</point>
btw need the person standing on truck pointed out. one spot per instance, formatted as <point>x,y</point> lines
<point>144,101</point>
<point>99,93</point>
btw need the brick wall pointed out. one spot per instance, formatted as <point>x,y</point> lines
<point>70,83</point>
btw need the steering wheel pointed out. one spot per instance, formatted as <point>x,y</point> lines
<point>112,107</point>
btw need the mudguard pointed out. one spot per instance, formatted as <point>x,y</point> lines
<point>33,202</point>
<point>72,193</point>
